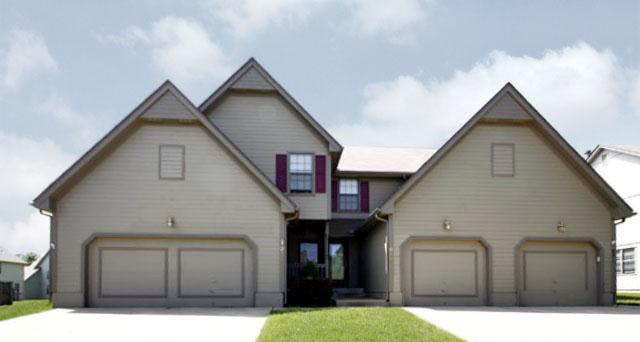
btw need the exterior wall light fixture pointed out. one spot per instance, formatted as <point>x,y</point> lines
<point>561,226</point>
<point>171,222</point>
<point>446,224</point>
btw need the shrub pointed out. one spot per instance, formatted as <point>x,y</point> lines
<point>311,292</point>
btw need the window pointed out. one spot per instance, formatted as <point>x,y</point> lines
<point>348,195</point>
<point>300,173</point>
<point>171,162</point>
<point>502,160</point>
<point>308,252</point>
<point>626,261</point>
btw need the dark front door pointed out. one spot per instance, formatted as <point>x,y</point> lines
<point>338,263</point>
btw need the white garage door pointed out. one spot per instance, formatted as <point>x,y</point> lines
<point>557,273</point>
<point>170,272</point>
<point>444,273</point>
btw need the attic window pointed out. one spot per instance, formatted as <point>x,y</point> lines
<point>171,162</point>
<point>502,160</point>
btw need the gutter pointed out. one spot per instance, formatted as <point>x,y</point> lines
<point>377,217</point>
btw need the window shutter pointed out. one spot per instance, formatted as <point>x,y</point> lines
<point>364,196</point>
<point>321,174</point>
<point>334,196</point>
<point>281,172</point>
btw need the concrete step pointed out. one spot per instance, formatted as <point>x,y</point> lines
<point>348,291</point>
<point>361,302</point>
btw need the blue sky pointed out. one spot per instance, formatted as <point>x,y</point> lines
<point>373,73</point>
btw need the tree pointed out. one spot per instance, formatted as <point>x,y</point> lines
<point>30,257</point>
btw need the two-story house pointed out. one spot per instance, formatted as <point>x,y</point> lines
<point>222,204</point>
<point>620,167</point>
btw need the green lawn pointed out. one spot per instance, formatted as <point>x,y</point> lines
<point>349,324</point>
<point>23,308</point>
<point>626,298</point>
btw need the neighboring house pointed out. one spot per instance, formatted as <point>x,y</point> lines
<point>223,204</point>
<point>12,271</point>
<point>620,167</point>
<point>36,278</point>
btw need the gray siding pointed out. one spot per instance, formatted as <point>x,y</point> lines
<point>502,210</point>
<point>168,107</point>
<point>252,80</point>
<point>263,125</point>
<point>123,194</point>
<point>372,261</point>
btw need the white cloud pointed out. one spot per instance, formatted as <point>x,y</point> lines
<point>391,19</point>
<point>27,166</point>
<point>579,89</point>
<point>27,55</point>
<point>180,48</point>
<point>83,128</point>
<point>245,17</point>
<point>30,235</point>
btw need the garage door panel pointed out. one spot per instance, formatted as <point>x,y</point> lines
<point>445,273</point>
<point>132,272</point>
<point>556,271</point>
<point>211,272</point>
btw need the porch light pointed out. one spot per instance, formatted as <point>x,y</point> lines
<point>446,225</point>
<point>561,227</point>
<point>170,221</point>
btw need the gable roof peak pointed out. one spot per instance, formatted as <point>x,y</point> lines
<point>271,85</point>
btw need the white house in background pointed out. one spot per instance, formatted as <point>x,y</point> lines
<point>12,270</point>
<point>36,279</point>
<point>619,165</point>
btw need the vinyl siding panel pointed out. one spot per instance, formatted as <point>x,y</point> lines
<point>502,210</point>
<point>262,126</point>
<point>124,194</point>
<point>372,266</point>
<point>13,273</point>
<point>380,189</point>
<point>168,107</point>
<point>252,80</point>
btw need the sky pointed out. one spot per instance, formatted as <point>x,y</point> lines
<point>406,73</point>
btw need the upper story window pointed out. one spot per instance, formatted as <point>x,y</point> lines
<point>171,162</point>
<point>503,160</point>
<point>626,261</point>
<point>348,190</point>
<point>300,173</point>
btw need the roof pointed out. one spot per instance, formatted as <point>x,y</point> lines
<point>42,201</point>
<point>388,160</point>
<point>35,266</point>
<point>252,64</point>
<point>632,150</point>
<point>526,113</point>
<point>11,258</point>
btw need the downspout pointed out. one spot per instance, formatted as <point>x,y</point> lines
<point>376,215</point>
<point>283,249</point>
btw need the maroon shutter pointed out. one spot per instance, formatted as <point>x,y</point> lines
<point>321,174</point>
<point>334,196</point>
<point>364,196</point>
<point>281,172</point>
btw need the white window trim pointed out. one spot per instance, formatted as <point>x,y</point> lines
<point>313,174</point>
<point>184,160</point>
<point>357,195</point>
<point>620,256</point>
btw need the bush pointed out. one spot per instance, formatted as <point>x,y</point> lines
<point>311,292</point>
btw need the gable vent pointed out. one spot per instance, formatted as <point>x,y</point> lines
<point>502,160</point>
<point>171,161</point>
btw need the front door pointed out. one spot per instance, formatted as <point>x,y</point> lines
<point>338,263</point>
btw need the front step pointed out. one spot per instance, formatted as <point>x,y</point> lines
<point>361,302</point>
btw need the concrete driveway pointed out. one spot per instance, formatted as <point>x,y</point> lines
<point>145,324</point>
<point>495,324</point>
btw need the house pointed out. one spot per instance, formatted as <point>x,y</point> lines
<point>619,165</point>
<point>12,271</point>
<point>36,278</point>
<point>222,204</point>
